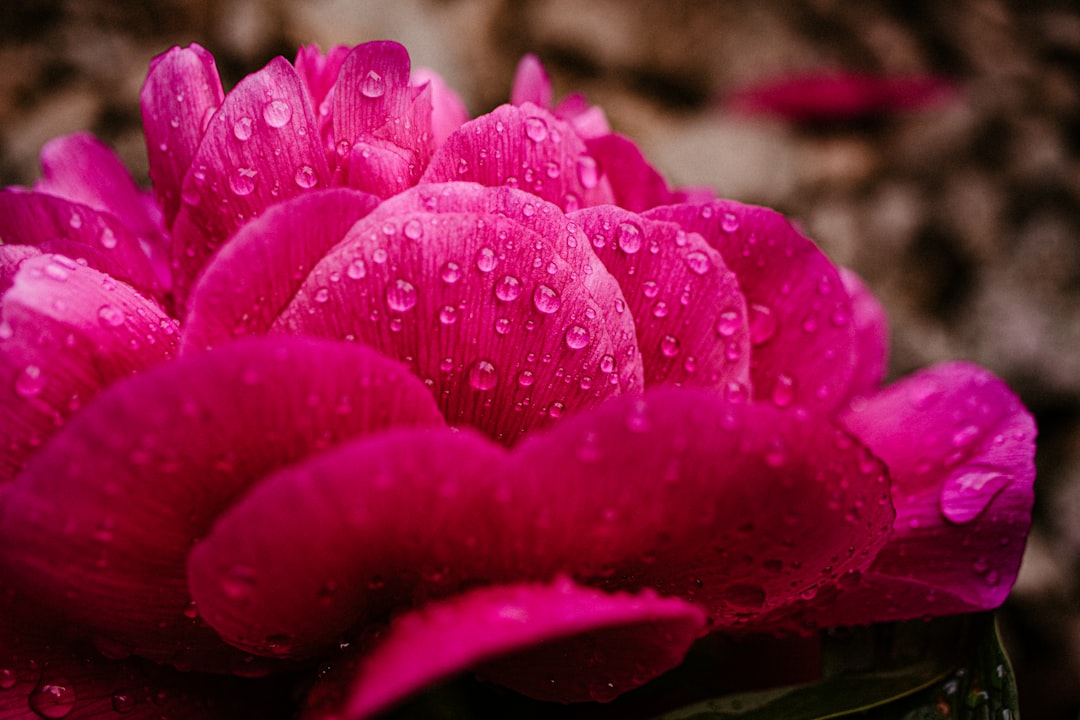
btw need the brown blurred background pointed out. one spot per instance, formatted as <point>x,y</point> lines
<point>964,218</point>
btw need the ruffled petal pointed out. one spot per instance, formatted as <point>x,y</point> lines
<point>525,147</point>
<point>509,325</point>
<point>689,313</point>
<point>98,525</point>
<point>531,83</point>
<point>181,92</point>
<point>635,184</point>
<point>66,332</point>
<point>448,111</point>
<point>260,148</point>
<point>98,239</point>
<point>256,273</point>
<point>801,331</point>
<point>558,642</point>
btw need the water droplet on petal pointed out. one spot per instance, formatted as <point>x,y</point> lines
<point>698,262</point>
<point>762,324</point>
<point>356,269</point>
<point>629,237</point>
<point>110,316</point>
<point>556,410</point>
<point>450,272</point>
<point>107,239</point>
<point>728,323</point>
<point>401,296</point>
<point>123,702</point>
<point>669,346</point>
<point>607,364</point>
<point>502,326</point>
<point>729,222</point>
<point>508,289</point>
<point>29,382</point>
<point>448,315</point>
<point>54,699</point>
<point>277,113</point>
<point>414,229</point>
<point>526,378</point>
<point>536,129</point>
<point>305,177</point>
<point>7,679</point>
<point>587,172</point>
<point>242,182</point>
<point>486,260</point>
<point>243,128</point>
<point>546,300</point>
<point>483,376</point>
<point>783,392</point>
<point>576,337</point>
<point>969,490</point>
<point>373,85</point>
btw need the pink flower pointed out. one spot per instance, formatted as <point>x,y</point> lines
<point>377,394</point>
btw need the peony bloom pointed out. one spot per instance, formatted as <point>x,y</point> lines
<point>369,394</point>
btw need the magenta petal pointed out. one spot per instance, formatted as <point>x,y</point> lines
<point>256,273</point>
<point>379,167</point>
<point>688,310</point>
<point>525,147</point>
<point>66,332</point>
<point>635,184</point>
<point>801,331</point>
<point>448,111</point>
<point>556,642</point>
<point>11,257</point>
<point>59,225</point>
<point>509,325</point>
<point>260,148</point>
<point>181,92</point>
<point>871,335</point>
<point>319,72</point>
<point>98,526</point>
<point>531,83</point>
<point>960,448</point>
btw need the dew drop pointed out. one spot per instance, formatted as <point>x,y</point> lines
<point>546,300</point>
<point>322,295</point>
<point>587,172</point>
<point>964,435</point>
<point>110,316</point>
<point>669,346</point>
<point>448,315</point>
<point>698,262</point>
<point>379,256</point>
<point>660,309</point>
<point>629,237</point>
<point>54,699</point>
<point>482,375</point>
<point>401,296</point>
<point>576,337</point>
<point>650,289</point>
<point>123,702</point>
<point>277,113</point>
<point>7,679</point>
<point>373,86</point>
<point>536,129</point>
<point>728,323</point>
<point>502,326</point>
<point>508,289</point>
<point>305,177</point>
<point>729,222</point>
<point>242,182</point>
<point>485,260</point>
<point>762,324</point>
<point>414,229</point>
<point>607,364</point>
<point>969,490</point>
<point>450,272</point>
<point>243,128</point>
<point>29,382</point>
<point>356,269</point>
<point>526,378</point>
<point>556,410</point>
<point>783,391</point>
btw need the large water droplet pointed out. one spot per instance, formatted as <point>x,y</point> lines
<point>242,182</point>
<point>698,262</point>
<point>450,272</point>
<point>486,260</point>
<point>536,129</point>
<point>414,229</point>
<point>969,490</point>
<point>53,699</point>
<point>448,315</point>
<point>29,382</point>
<point>508,289</point>
<point>483,375</point>
<point>401,296</point>
<point>546,300</point>
<point>305,177</point>
<point>356,269</point>
<point>762,324</point>
<point>243,128</point>
<point>277,113</point>
<point>607,364</point>
<point>629,237</point>
<point>669,346</point>
<point>526,378</point>
<point>728,323</point>
<point>729,222</point>
<point>110,316</point>
<point>576,337</point>
<point>373,85</point>
<point>587,172</point>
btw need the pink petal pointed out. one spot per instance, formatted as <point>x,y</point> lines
<point>319,72</point>
<point>448,111</point>
<point>260,148</point>
<point>531,83</point>
<point>181,92</point>
<point>871,335</point>
<point>509,325</point>
<point>373,98</point>
<point>11,257</point>
<point>379,167</point>
<point>803,339</point>
<point>588,120</point>
<point>556,642</point>
<point>525,147</point>
<point>66,332</point>
<point>55,224</point>
<point>98,526</point>
<point>635,184</point>
<point>256,273</point>
<point>689,313</point>
<point>840,96</point>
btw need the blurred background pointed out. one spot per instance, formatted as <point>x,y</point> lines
<point>964,217</point>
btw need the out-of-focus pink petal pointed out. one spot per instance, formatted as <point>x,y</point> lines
<point>741,508</point>
<point>260,148</point>
<point>801,331</point>
<point>588,120</point>
<point>558,642</point>
<point>871,335</point>
<point>688,310</point>
<point>11,257</point>
<point>98,239</point>
<point>509,325</point>
<point>319,72</point>
<point>635,184</point>
<point>531,83</point>
<point>840,96</point>
<point>525,147</point>
<point>181,92</point>
<point>448,111</point>
<point>66,332</point>
<point>256,273</point>
<point>98,525</point>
